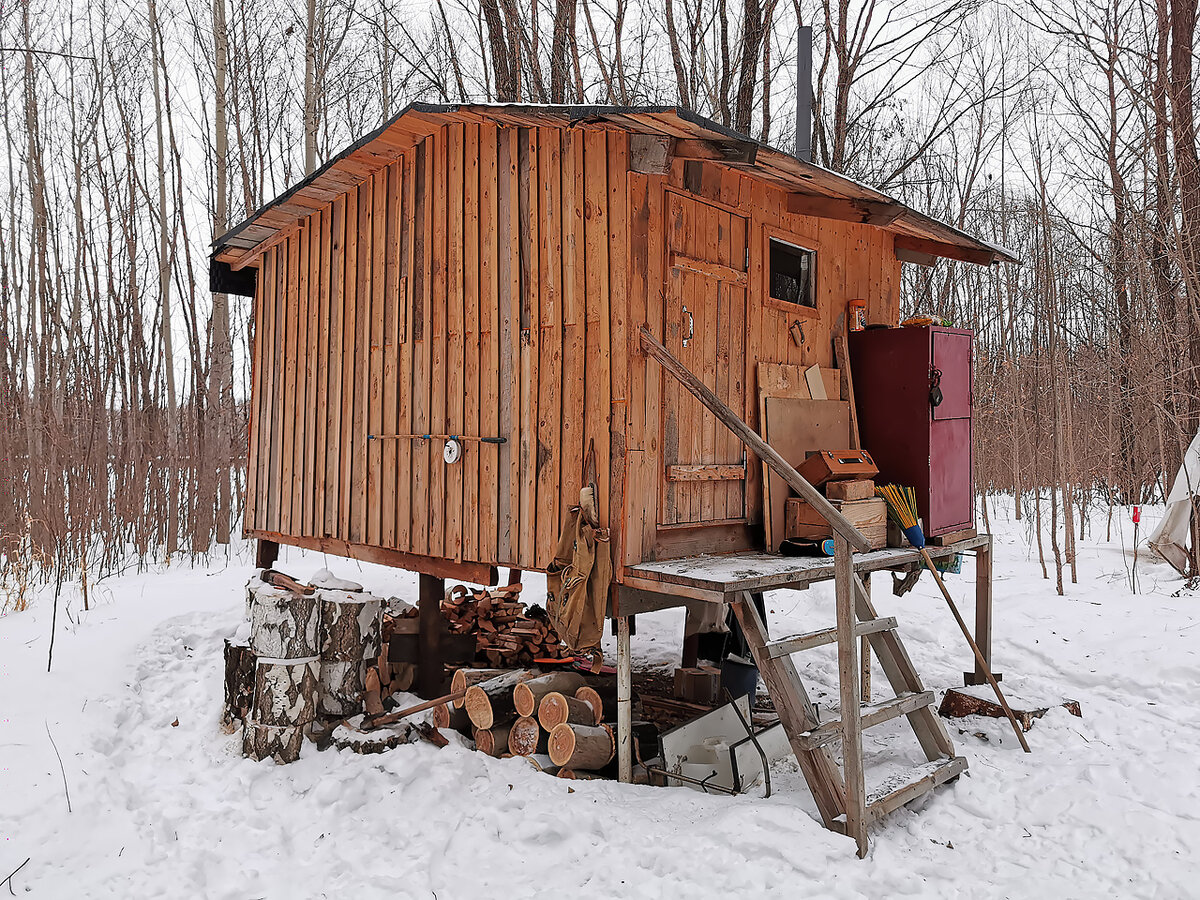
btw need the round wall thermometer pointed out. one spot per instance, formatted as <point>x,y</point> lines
<point>452,452</point>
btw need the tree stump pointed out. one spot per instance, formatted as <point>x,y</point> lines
<point>285,692</point>
<point>350,625</point>
<point>376,741</point>
<point>284,625</point>
<point>239,684</point>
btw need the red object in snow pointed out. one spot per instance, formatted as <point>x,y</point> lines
<point>1137,514</point>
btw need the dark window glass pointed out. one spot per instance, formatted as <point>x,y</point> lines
<point>792,274</point>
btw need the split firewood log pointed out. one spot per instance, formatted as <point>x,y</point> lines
<point>557,708</point>
<point>372,699</point>
<point>464,678</point>
<point>526,737</point>
<point>491,702</point>
<point>587,747</point>
<point>528,694</point>
<point>493,741</point>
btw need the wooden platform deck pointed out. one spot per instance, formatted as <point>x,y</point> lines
<point>721,577</point>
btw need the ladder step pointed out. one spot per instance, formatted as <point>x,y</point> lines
<point>788,646</point>
<point>870,715</point>
<point>886,800</point>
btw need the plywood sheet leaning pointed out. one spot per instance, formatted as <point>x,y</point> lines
<point>782,381</point>
<point>793,426</point>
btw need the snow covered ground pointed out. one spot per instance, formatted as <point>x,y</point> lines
<point>162,804</point>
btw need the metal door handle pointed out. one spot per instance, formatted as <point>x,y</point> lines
<point>691,327</point>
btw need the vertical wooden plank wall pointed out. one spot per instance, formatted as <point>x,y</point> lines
<point>853,261</point>
<point>476,285</point>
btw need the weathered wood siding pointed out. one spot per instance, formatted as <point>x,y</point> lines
<point>463,289</point>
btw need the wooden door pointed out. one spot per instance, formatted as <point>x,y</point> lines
<point>704,464</point>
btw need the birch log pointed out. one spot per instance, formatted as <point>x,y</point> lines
<point>526,737</point>
<point>283,624</point>
<point>342,686</point>
<point>350,625</point>
<point>239,683</point>
<point>285,692</point>
<point>281,744</point>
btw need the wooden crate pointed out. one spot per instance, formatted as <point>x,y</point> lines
<point>802,522</point>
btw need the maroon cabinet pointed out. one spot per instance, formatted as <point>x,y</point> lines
<point>913,442</point>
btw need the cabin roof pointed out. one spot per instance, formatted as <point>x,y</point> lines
<point>814,190</point>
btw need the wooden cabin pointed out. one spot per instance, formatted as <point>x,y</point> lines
<point>482,272</point>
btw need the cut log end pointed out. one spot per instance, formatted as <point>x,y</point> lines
<point>555,709</point>
<point>592,698</point>
<point>525,737</point>
<point>478,706</point>
<point>584,747</point>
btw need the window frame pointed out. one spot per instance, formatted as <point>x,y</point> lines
<point>798,243</point>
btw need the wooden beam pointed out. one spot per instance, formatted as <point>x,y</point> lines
<point>741,153</point>
<point>473,572</point>
<point>761,448</point>
<point>649,154</point>
<point>254,254</point>
<point>947,251</point>
<point>879,213</point>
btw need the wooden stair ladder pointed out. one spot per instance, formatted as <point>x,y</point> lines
<point>840,792</point>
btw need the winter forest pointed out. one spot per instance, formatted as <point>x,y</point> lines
<point>137,133</point>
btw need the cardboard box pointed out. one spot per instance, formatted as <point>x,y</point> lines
<point>803,522</point>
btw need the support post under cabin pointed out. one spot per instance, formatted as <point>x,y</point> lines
<point>265,554</point>
<point>430,672</point>
<point>983,613</point>
<point>624,703</point>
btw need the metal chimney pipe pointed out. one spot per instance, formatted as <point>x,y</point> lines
<point>804,99</point>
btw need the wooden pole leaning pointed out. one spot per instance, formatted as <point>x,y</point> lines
<point>979,659</point>
<point>746,434</point>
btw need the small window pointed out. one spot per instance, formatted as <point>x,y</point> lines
<point>792,274</point>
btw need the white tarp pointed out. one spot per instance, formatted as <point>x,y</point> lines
<point>1169,539</point>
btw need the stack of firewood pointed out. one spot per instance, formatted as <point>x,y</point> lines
<point>506,633</point>
<point>557,719</point>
